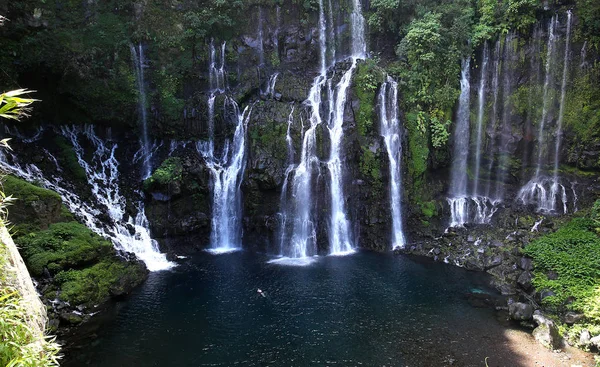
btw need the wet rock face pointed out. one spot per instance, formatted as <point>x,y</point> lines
<point>181,208</point>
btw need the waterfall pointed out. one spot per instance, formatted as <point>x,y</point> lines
<point>547,97</point>
<point>494,118</point>
<point>102,172</point>
<point>541,190</point>
<point>359,45</point>
<point>261,52</point>
<point>139,65</point>
<point>298,237</point>
<point>227,166</point>
<point>216,68</point>
<point>563,92</point>
<point>480,112</point>
<point>458,181</point>
<point>270,90</point>
<point>340,240</point>
<point>390,130</point>
<point>227,171</point>
<point>506,130</point>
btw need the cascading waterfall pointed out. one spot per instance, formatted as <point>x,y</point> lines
<point>458,200</point>
<point>298,238</point>
<point>102,172</point>
<point>340,237</point>
<point>270,91</point>
<point>226,168</point>
<point>261,52</point>
<point>392,136</point>
<point>139,65</point>
<point>544,191</point>
<point>227,171</point>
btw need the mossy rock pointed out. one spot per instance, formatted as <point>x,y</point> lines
<point>62,246</point>
<point>170,173</point>
<point>35,208</point>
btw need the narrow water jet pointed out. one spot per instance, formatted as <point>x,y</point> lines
<point>392,136</point>
<point>139,66</point>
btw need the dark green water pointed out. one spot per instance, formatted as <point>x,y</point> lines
<point>365,309</point>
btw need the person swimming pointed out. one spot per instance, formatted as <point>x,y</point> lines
<point>261,292</point>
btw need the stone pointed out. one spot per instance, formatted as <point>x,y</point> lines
<point>519,311</point>
<point>71,318</point>
<point>585,337</point>
<point>470,239</point>
<point>595,341</point>
<point>494,261</point>
<point>546,293</point>
<point>546,333</point>
<point>524,280</point>
<point>526,263</point>
<point>496,243</point>
<point>573,317</point>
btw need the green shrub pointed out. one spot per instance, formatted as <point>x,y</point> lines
<point>573,253</point>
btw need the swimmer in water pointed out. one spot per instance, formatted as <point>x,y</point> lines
<point>261,292</point>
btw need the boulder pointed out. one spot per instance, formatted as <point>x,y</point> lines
<point>585,337</point>
<point>546,333</point>
<point>526,263</point>
<point>573,317</point>
<point>524,280</point>
<point>595,341</point>
<point>519,311</point>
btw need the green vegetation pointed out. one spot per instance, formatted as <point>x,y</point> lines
<point>366,81</point>
<point>582,111</point>
<point>567,262</point>
<point>20,344</point>
<point>169,171</point>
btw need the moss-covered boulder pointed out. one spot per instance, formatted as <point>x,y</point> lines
<point>167,178</point>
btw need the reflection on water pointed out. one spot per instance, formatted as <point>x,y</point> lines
<point>368,308</point>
